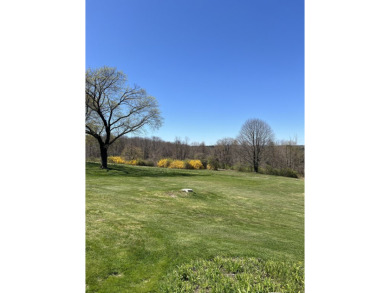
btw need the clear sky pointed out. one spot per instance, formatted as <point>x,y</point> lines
<point>211,64</point>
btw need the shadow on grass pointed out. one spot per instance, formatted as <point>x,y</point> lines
<point>135,171</point>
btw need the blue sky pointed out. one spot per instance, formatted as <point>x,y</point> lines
<point>211,64</point>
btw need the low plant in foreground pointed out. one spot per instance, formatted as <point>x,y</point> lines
<point>236,275</point>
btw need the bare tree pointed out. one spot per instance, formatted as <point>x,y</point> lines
<point>157,145</point>
<point>254,136</point>
<point>182,148</point>
<point>293,154</point>
<point>198,151</point>
<point>114,109</point>
<point>131,152</point>
<point>223,151</point>
<point>91,148</point>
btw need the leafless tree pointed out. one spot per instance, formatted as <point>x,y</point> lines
<point>131,152</point>
<point>254,136</point>
<point>293,154</point>
<point>182,148</point>
<point>157,146</point>
<point>91,148</point>
<point>114,109</point>
<point>199,151</point>
<point>223,151</point>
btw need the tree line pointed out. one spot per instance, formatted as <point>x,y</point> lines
<point>226,153</point>
<point>114,109</point>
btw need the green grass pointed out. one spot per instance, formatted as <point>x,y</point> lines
<point>140,229</point>
<point>231,275</point>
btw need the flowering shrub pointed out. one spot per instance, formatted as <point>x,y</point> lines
<point>164,163</point>
<point>132,162</point>
<point>120,160</point>
<point>177,164</point>
<point>116,160</point>
<point>139,162</point>
<point>195,164</point>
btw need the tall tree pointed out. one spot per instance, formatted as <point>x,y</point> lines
<point>114,109</point>
<point>254,136</point>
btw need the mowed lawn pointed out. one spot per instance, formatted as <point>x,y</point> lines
<point>140,226</point>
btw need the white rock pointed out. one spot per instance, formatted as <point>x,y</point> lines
<point>187,190</point>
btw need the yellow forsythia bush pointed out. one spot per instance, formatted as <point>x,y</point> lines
<point>177,164</point>
<point>116,160</point>
<point>195,164</point>
<point>164,163</point>
<point>139,162</point>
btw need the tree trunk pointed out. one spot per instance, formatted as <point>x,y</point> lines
<point>255,162</point>
<point>103,155</point>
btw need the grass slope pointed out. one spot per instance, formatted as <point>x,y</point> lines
<point>140,227</point>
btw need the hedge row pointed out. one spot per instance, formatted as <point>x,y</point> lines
<point>212,164</point>
<point>179,164</point>
<point>137,162</point>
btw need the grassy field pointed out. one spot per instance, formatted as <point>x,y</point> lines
<point>140,227</point>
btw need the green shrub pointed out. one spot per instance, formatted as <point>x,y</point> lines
<point>286,172</point>
<point>212,163</point>
<point>140,162</point>
<point>242,168</point>
<point>271,171</point>
<point>149,163</point>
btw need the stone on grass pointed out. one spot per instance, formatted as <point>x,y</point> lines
<point>187,190</point>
